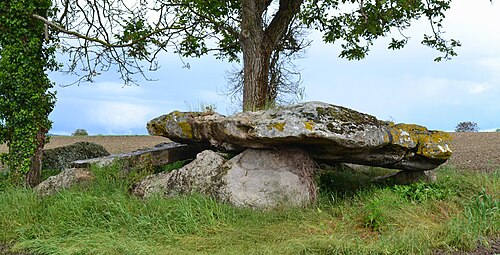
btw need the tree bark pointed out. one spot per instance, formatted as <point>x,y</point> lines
<point>258,43</point>
<point>34,176</point>
<point>254,62</point>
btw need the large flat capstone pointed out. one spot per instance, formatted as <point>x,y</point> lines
<point>327,132</point>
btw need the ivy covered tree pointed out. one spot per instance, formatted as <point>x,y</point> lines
<point>25,100</point>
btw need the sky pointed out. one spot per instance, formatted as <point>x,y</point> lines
<point>403,86</point>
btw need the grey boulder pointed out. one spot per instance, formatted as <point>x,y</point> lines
<point>61,158</point>
<point>64,180</point>
<point>254,178</point>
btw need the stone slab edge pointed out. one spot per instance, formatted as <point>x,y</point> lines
<point>161,154</point>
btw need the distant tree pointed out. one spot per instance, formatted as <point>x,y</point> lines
<point>498,129</point>
<point>80,132</point>
<point>467,126</point>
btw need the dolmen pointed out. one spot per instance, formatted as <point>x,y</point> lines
<point>277,151</point>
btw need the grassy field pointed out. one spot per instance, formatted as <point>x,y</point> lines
<point>353,216</point>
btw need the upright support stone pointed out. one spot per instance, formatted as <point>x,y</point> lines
<point>254,178</point>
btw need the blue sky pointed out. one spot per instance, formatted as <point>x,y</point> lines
<point>402,86</point>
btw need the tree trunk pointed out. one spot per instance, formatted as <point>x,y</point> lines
<point>256,72</point>
<point>34,176</point>
<point>255,56</point>
<point>258,43</point>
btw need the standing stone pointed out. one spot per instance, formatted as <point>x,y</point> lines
<point>269,178</point>
<point>254,178</point>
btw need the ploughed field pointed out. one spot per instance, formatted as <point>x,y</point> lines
<point>471,151</point>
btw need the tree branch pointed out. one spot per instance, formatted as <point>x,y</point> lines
<point>96,40</point>
<point>285,14</point>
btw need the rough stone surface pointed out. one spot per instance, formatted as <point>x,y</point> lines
<point>64,180</point>
<point>269,178</point>
<point>161,154</point>
<point>254,178</point>
<point>61,158</point>
<point>202,175</point>
<point>327,132</point>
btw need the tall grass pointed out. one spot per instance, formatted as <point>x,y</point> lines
<point>353,216</point>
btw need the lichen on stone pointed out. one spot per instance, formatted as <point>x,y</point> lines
<point>186,129</point>
<point>309,125</point>
<point>430,144</point>
<point>280,126</point>
<point>342,114</point>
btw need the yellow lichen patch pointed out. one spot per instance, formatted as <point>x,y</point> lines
<point>435,144</point>
<point>309,125</point>
<point>186,129</point>
<point>402,137</point>
<point>280,126</point>
<point>430,144</point>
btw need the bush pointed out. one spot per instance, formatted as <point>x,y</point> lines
<point>467,126</point>
<point>498,129</point>
<point>80,132</point>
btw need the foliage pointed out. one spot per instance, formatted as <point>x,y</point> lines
<point>421,191</point>
<point>104,219</point>
<point>80,132</point>
<point>25,100</point>
<point>107,33</point>
<point>481,216</point>
<point>467,126</point>
<point>498,130</point>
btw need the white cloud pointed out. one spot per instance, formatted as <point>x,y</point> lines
<point>476,89</point>
<point>120,116</point>
<point>491,65</point>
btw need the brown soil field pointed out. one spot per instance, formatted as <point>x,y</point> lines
<point>471,151</point>
<point>113,144</point>
<point>476,151</point>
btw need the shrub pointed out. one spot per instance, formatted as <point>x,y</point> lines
<point>80,132</point>
<point>467,126</point>
<point>498,129</point>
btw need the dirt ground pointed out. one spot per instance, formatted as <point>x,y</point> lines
<point>471,151</point>
<point>113,144</point>
<point>476,151</point>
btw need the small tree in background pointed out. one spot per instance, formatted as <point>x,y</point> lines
<point>498,130</point>
<point>80,132</point>
<point>467,126</point>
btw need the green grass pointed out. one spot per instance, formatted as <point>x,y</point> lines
<point>352,216</point>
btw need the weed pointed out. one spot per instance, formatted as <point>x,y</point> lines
<point>422,191</point>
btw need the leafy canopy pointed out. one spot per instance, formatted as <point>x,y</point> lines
<point>355,24</point>
<point>119,32</point>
